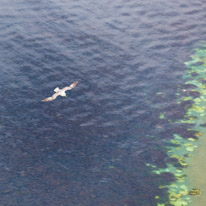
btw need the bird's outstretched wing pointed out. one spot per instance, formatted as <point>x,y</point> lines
<point>70,87</point>
<point>47,99</point>
<point>54,96</point>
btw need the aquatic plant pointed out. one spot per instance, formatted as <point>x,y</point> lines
<point>181,147</point>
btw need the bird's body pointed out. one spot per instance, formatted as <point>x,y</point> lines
<point>60,92</point>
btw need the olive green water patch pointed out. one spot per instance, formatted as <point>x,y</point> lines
<point>181,148</point>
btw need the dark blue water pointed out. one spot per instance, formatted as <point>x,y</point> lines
<point>92,147</point>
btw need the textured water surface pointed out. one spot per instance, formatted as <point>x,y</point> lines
<point>92,147</point>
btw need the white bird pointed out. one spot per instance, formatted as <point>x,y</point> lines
<point>60,92</point>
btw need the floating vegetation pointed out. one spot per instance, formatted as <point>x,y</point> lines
<point>194,192</point>
<point>181,146</point>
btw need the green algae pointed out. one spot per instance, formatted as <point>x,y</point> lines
<point>181,148</point>
<point>162,116</point>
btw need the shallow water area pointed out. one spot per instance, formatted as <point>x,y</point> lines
<point>196,173</point>
<point>196,168</point>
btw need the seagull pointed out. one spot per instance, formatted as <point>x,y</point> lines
<point>61,92</point>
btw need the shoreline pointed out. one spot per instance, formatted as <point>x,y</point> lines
<point>196,173</point>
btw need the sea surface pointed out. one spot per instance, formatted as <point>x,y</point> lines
<point>92,147</point>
